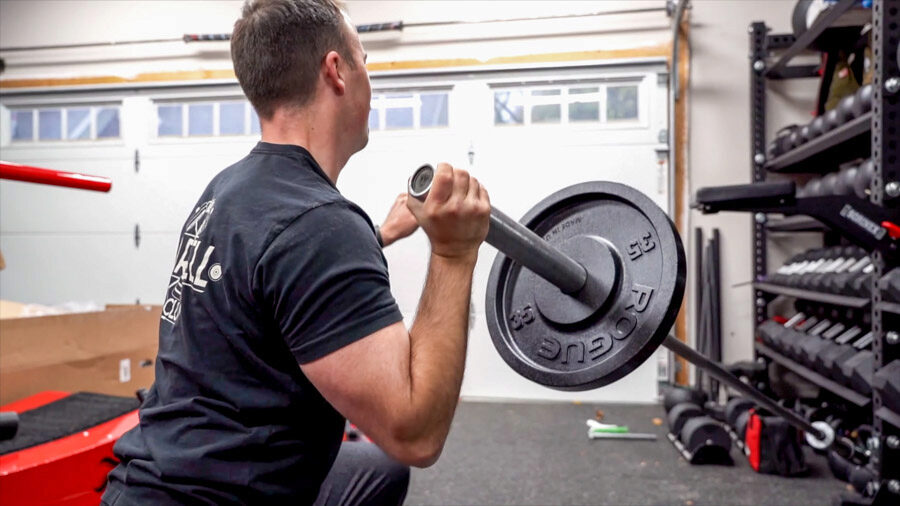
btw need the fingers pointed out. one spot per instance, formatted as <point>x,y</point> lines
<point>460,184</point>
<point>442,183</point>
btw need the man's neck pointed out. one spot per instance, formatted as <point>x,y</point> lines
<point>315,132</point>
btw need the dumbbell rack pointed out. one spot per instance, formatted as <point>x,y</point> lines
<point>874,134</point>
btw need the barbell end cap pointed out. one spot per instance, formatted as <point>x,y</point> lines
<point>420,182</point>
<point>825,441</point>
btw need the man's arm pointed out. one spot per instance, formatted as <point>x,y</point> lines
<point>401,388</point>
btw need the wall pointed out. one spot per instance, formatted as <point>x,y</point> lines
<point>720,142</point>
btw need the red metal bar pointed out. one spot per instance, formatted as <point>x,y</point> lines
<point>29,174</point>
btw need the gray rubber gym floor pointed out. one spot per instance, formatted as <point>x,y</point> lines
<point>540,454</point>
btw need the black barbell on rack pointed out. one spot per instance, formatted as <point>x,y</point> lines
<point>587,287</point>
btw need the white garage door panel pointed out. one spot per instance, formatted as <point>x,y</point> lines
<point>518,179</point>
<point>51,269</point>
<point>156,259</point>
<point>170,186</point>
<point>38,208</point>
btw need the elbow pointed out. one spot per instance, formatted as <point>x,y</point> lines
<point>420,454</point>
<point>417,449</point>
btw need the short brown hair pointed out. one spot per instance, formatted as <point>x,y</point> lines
<point>278,45</point>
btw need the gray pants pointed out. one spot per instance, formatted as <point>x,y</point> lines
<point>362,474</point>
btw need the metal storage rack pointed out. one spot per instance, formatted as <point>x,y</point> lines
<point>878,134</point>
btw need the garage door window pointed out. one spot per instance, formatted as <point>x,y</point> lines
<point>206,119</point>
<point>409,110</point>
<point>75,123</point>
<point>556,105</point>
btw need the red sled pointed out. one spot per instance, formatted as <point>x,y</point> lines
<point>62,450</point>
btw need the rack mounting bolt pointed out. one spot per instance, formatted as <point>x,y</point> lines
<point>892,337</point>
<point>893,442</point>
<point>760,302</point>
<point>759,158</point>
<point>760,218</point>
<point>892,189</point>
<point>894,486</point>
<point>892,85</point>
<point>760,65</point>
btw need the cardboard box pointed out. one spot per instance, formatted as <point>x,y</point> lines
<point>111,352</point>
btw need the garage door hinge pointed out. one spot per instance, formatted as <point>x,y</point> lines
<point>137,160</point>
<point>137,235</point>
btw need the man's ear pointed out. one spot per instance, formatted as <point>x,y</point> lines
<point>332,72</point>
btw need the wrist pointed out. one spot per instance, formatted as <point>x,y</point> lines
<point>384,235</point>
<point>465,260</point>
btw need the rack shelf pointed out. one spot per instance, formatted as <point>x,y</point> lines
<point>827,298</point>
<point>811,35</point>
<point>814,377</point>
<point>890,307</point>
<point>823,154</point>
<point>795,224</point>
<point>889,416</point>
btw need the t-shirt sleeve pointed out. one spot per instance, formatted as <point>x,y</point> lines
<point>325,282</point>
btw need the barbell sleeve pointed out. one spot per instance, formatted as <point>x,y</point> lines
<point>517,242</point>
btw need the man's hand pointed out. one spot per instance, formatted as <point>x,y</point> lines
<point>399,223</point>
<point>455,213</point>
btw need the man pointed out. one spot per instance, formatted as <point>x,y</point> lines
<point>279,321</point>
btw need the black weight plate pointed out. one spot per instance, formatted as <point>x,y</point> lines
<point>630,326</point>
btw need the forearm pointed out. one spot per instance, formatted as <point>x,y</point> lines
<point>438,341</point>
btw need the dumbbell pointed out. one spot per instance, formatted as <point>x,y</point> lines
<point>795,347</point>
<point>829,258</point>
<point>770,330</point>
<point>840,259</point>
<point>680,414</point>
<point>846,106</point>
<point>735,407</point>
<point>890,285</point>
<point>782,340</point>
<point>811,347</point>
<point>853,362</point>
<point>887,383</point>
<point>840,349</point>
<point>850,256</point>
<point>840,283</point>
<point>863,102</point>
<point>817,127</point>
<point>805,134</point>
<point>863,180</point>
<point>812,188</point>
<point>678,395</point>
<point>861,286</point>
<point>847,178</point>
<point>789,273</point>
<point>705,440</point>
<point>857,371</point>
<point>833,119</point>
<point>781,275</point>
<point>838,183</point>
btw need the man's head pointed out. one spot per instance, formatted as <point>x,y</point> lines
<point>286,51</point>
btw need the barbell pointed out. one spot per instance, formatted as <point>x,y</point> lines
<point>588,285</point>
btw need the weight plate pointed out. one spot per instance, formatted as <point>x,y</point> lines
<point>587,351</point>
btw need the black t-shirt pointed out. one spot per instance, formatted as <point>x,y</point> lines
<point>274,268</point>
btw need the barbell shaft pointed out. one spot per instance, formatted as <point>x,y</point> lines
<point>715,370</point>
<point>524,246</point>
<point>527,248</point>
